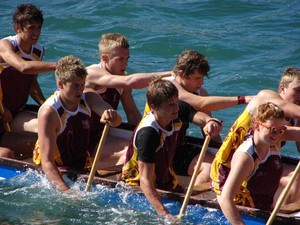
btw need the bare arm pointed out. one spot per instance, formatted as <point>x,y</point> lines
<point>100,77</point>
<point>36,92</point>
<point>48,126</point>
<point>298,142</point>
<point>200,119</point>
<point>291,134</point>
<point>103,109</point>
<point>27,67</point>
<point>132,113</point>
<point>241,167</point>
<point>290,109</point>
<point>211,126</point>
<point>208,103</point>
<point>147,171</point>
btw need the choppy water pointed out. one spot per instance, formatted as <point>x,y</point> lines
<point>28,198</point>
<point>248,43</point>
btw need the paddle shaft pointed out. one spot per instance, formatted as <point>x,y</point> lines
<point>194,176</point>
<point>283,195</point>
<point>97,157</point>
<point>5,124</point>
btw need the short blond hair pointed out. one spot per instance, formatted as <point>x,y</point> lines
<point>110,41</point>
<point>70,67</point>
<point>288,76</point>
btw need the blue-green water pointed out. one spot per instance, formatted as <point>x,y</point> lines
<point>27,198</point>
<point>248,43</point>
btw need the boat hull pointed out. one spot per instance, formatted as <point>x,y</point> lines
<point>202,195</point>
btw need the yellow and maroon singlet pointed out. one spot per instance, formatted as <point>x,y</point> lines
<point>73,137</point>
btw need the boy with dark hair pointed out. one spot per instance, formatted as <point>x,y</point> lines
<point>20,62</point>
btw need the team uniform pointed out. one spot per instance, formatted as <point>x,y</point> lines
<point>153,144</point>
<point>73,136</point>
<point>233,140</point>
<point>237,133</point>
<point>184,153</point>
<point>15,86</point>
<point>259,188</point>
<point>110,95</point>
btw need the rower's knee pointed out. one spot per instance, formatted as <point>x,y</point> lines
<point>203,174</point>
<point>6,153</point>
<point>294,192</point>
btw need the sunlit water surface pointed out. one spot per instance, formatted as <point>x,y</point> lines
<point>248,44</point>
<point>28,198</point>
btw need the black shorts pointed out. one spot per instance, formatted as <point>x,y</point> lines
<point>183,157</point>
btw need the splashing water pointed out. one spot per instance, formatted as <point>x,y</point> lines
<point>29,198</point>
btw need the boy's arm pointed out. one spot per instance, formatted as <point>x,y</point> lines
<point>100,77</point>
<point>208,103</point>
<point>132,113</point>
<point>147,140</point>
<point>8,55</point>
<point>298,142</point>
<point>103,109</point>
<point>211,126</point>
<point>48,126</point>
<point>147,171</point>
<point>290,109</point>
<point>291,134</point>
<point>36,92</point>
<point>239,171</point>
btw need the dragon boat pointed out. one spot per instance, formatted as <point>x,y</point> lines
<point>201,194</point>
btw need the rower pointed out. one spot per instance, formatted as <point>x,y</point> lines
<point>188,76</point>
<point>64,122</point>
<point>251,178</point>
<point>110,80</point>
<point>288,99</point>
<point>20,62</point>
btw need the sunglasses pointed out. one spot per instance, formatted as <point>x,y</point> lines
<point>272,130</point>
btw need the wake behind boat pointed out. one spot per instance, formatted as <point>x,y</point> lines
<point>202,194</point>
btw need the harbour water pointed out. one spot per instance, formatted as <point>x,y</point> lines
<point>248,44</point>
<point>28,198</point>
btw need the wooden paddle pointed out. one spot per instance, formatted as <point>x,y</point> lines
<point>193,179</point>
<point>97,157</point>
<point>5,124</point>
<point>283,195</point>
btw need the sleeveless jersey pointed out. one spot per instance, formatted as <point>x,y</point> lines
<point>232,141</point>
<point>257,190</point>
<point>165,177</point>
<point>186,113</point>
<point>73,136</point>
<point>111,96</point>
<point>237,133</point>
<point>16,85</point>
